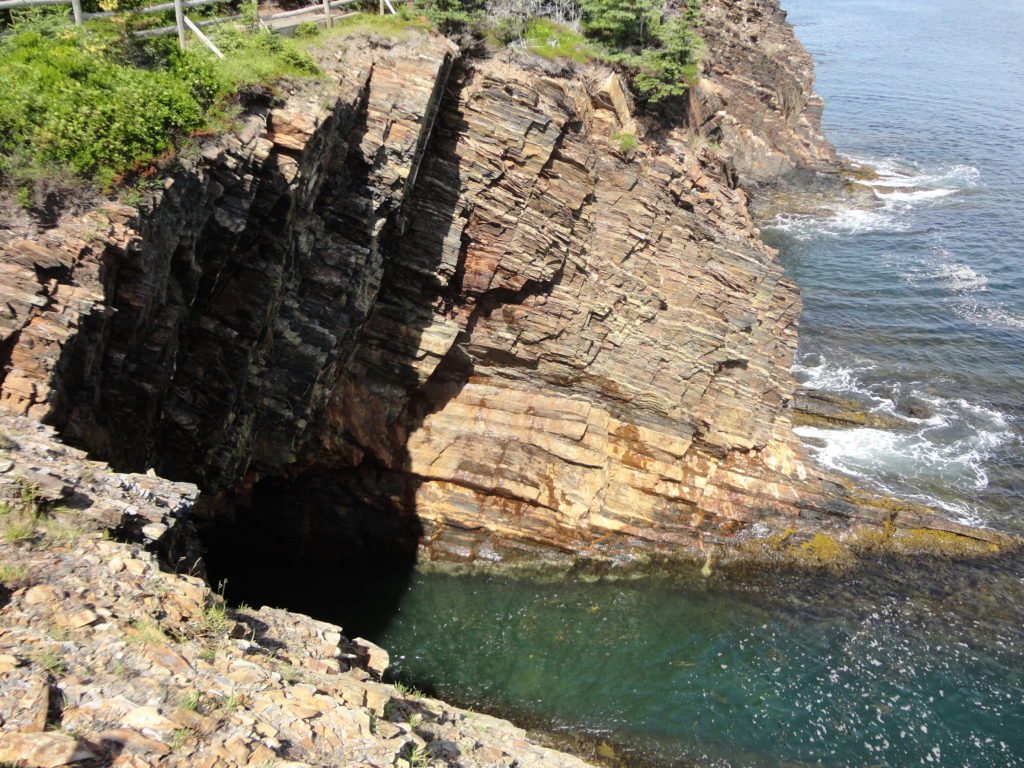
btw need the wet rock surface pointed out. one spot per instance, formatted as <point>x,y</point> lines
<point>821,409</point>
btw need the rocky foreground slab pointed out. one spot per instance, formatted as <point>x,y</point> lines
<point>110,658</point>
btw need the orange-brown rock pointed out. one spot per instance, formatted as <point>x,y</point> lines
<point>443,291</point>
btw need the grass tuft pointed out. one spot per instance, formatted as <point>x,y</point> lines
<point>397,27</point>
<point>13,574</point>
<point>552,40</point>
<point>146,630</point>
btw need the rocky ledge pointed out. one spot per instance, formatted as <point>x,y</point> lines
<point>109,657</point>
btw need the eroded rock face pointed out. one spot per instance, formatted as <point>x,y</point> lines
<point>450,292</point>
<point>607,362</point>
<point>203,334</point>
<point>755,100</point>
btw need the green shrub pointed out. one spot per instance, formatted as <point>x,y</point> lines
<point>451,15</point>
<point>93,102</point>
<point>669,69</point>
<point>661,55</point>
<point>621,24</point>
<point>307,29</point>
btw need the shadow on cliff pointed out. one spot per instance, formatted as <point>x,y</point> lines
<point>336,536</point>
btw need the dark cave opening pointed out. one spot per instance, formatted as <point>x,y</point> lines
<point>311,545</point>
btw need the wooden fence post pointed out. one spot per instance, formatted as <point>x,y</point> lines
<point>179,22</point>
<point>327,13</point>
<point>76,10</point>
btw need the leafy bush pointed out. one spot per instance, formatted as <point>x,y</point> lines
<point>307,29</point>
<point>83,111</point>
<point>93,102</point>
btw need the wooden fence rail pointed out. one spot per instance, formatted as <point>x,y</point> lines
<point>183,23</point>
<point>151,8</point>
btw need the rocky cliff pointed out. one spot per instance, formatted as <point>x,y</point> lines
<point>439,296</point>
<point>431,306</point>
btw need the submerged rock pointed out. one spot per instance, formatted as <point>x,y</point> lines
<point>821,409</point>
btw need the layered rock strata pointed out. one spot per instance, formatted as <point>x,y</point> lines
<point>755,100</point>
<point>446,290</point>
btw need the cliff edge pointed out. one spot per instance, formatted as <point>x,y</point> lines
<point>441,292</point>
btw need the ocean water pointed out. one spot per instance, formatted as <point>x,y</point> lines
<point>893,667</point>
<point>915,304</point>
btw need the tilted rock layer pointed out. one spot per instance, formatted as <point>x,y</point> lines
<point>448,287</point>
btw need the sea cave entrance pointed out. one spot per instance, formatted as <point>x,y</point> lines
<point>312,545</point>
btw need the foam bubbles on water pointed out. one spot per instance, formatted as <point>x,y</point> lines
<point>915,196</point>
<point>963,284</point>
<point>843,222</point>
<point>987,316</point>
<point>948,448</point>
<point>899,186</point>
<point>958,278</point>
<point>827,376</point>
<point>896,172</point>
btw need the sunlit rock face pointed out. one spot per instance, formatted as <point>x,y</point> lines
<point>452,290</point>
<point>608,356</point>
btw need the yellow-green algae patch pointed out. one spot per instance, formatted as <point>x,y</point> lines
<point>838,551</point>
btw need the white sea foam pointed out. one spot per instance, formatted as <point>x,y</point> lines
<point>843,222</point>
<point>898,188</point>
<point>877,456</point>
<point>959,278</point>
<point>990,316</point>
<point>964,284</point>
<point>827,376</point>
<point>947,448</point>
<point>897,172</point>
<point>916,195</point>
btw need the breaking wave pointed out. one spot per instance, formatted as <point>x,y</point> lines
<point>946,445</point>
<point>897,188</point>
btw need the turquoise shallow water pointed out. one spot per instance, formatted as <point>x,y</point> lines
<point>885,669</point>
<point>916,306</point>
<point>920,299</point>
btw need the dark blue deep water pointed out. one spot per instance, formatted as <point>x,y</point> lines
<point>920,299</point>
<point>914,304</point>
